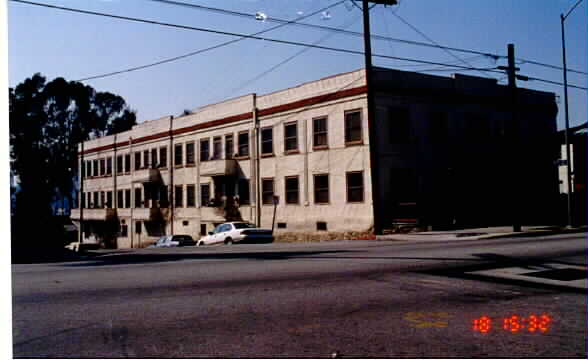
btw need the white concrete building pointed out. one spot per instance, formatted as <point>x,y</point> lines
<point>307,145</point>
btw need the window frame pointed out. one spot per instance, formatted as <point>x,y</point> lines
<point>190,200</point>
<point>348,189</point>
<point>229,150</point>
<point>240,146</point>
<point>154,153</point>
<point>271,140</point>
<point>178,195</point>
<point>127,168</point>
<point>295,137</point>
<point>137,163</point>
<point>316,146</point>
<point>288,192</point>
<point>242,200</point>
<point>162,156</point>
<point>204,193</point>
<point>316,190</point>
<point>217,154</point>
<point>178,155</point>
<point>145,159</point>
<point>348,141</point>
<point>263,191</point>
<point>119,164</point>
<point>204,149</point>
<point>109,166</point>
<point>138,203</point>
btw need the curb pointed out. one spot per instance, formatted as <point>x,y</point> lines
<point>529,233</point>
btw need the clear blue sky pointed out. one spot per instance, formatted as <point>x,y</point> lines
<point>58,43</point>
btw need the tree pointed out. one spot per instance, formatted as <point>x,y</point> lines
<point>47,121</point>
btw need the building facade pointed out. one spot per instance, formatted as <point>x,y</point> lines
<point>445,158</point>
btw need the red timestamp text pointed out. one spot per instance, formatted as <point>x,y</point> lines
<point>514,324</point>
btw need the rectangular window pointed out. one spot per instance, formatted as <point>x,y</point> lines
<point>321,189</point>
<point>355,186</point>
<point>128,163</point>
<point>204,149</point>
<point>88,168</point>
<point>229,149</point>
<point>124,230</point>
<point>267,191</point>
<point>291,137</point>
<point>267,141</point>
<point>138,200</point>
<point>137,161</point>
<point>179,196</point>
<point>243,140</point>
<point>109,166</point>
<point>102,199</point>
<point>353,127</point>
<point>109,199</point>
<point>96,203</point>
<point>319,133</point>
<point>127,198</point>
<point>243,192</point>
<point>145,159</point>
<point>203,229</point>
<point>83,201</point>
<point>102,167</point>
<point>399,125</point>
<point>163,157</point>
<point>291,190</point>
<point>190,195</point>
<point>119,164</point>
<point>95,168</point>
<point>178,158</point>
<point>138,226</point>
<point>89,204</point>
<point>217,148</point>
<point>119,199</point>
<point>154,164</point>
<point>204,194</point>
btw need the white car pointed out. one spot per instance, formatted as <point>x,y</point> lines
<point>234,232</point>
<point>173,241</point>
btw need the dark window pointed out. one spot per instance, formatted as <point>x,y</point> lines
<point>319,132</point>
<point>83,169</point>
<point>204,149</point>
<point>145,159</point>
<point>353,127</point>
<point>127,198</point>
<point>321,189</point>
<point>163,196</point>
<point>229,150</point>
<point>204,194</point>
<point>291,190</point>
<point>190,157</point>
<point>179,196</point>
<point>267,143</point>
<point>243,143</point>
<point>399,123</point>
<point>321,226</point>
<point>217,148</point>
<point>154,158</point>
<point>184,223</point>
<point>267,191</point>
<point>138,200</point>
<point>83,200</point>
<point>163,157</point>
<point>203,229</point>
<point>291,137</point>
<point>128,163</point>
<point>109,199</point>
<point>120,199</point>
<point>137,161</point>
<point>190,195</point>
<point>89,203</point>
<point>138,226</point>
<point>95,168</point>
<point>282,225</point>
<point>119,164</point>
<point>88,168</point>
<point>102,199</point>
<point>124,231</point>
<point>243,191</point>
<point>102,167</point>
<point>355,186</point>
<point>109,166</point>
<point>178,158</point>
<point>96,203</point>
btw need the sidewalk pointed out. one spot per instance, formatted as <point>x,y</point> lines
<point>483,233</point>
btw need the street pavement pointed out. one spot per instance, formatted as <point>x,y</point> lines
<point>353,298</point>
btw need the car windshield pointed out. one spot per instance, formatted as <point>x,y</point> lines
<point>243,226</point>
<point>162,240</point>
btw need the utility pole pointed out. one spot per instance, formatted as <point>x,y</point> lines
<point>82,174</point>
<point>373,145</point>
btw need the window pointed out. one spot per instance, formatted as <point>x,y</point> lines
<point>229,150</point>
<point>89,204</point>
<point>291,137</point>
<point>190,157</point>
<point>204,194</point>
<point>353,127</point>
<point>102,199</point>
<point>109,166</point>
<point>243,191</point>
<point>217,148</point>
<point>95,168</point>
<point>267,191</point>
<point>321,189</point>
<point>154,164</point>
<point>137,161</point>
<point>179,196</point>
<point>399,125</point>
<point>119,199</point>
<point>321,226</point>
<point>88,168</point>
<point>127,198</point>
<point>202,229</point>
<point>96,203</point>
<point>243,140</point>
<point>109,199</point>
<point>190,195</point>
<point>355,186</point>
<point>204,149</point>
<point>102,167</point>
<point>128,163</point>
<point>82,169</point>
<point>163,157</point>
<point>124,230</point>
<point>282,225</point>
<point>83,201</point>
<point>138,226</point>
<point>163,197</point>
<point>267,143</point>
<point>178,160</point>
<point>291,190</point>
<point>138,200</point>
<point>119,164</point>
<point>145,159</point>
<point>319,133</point>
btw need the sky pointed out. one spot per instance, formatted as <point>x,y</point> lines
<point>58,43</point>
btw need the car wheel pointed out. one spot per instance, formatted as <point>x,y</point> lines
<point>228,241</point>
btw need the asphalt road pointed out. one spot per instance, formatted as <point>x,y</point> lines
<point>358,298</point>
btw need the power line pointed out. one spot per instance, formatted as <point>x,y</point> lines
<point>256,37</point>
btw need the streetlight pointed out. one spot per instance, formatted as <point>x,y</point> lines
<point>567,130</point>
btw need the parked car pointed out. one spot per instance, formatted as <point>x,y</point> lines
<point>173,241</point>
<point>235,232</point>
<point>76,246</point>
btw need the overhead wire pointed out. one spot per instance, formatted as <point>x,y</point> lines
<point>256,37</point>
